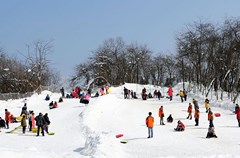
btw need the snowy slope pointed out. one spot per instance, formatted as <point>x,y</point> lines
<point>89,131</point>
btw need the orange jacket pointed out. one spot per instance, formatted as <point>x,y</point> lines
<point>197,113</point>
<point>189,109</point>
<point>149,121</point>
<point>210,115</point>
<point>160,112</point>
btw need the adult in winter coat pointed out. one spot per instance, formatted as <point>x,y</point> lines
<point>150,123</point>
<point>170,93</point>
<point>40,122</point>
<point>196,116</point>
<point>210,117</point>
<point>24,123</point>
<point>30,120</point>
<point>159,95</point>
<point>62,92</point>
<point>47,122</point>
<point>189,111</point>
<point>7,118</point>
<point>195,104</point>
<point>161,115</point>
<point>237,112</point>
<point>180,126</point>
<point>125,91</point>
<point>185,94</point>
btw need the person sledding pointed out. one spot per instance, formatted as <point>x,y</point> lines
<point>170,119</point>
<point>180,126</point>
<point>211,132</point>
<point>47,97</point>
<point>85,99</point>
<point>53,105</point>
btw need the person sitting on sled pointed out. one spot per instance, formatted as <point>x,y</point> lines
<point>180,126</point>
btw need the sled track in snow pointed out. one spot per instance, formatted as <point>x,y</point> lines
<point>92,140</point>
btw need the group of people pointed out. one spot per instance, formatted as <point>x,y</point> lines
<point>27,118</point>
<point>129,93</point>
<point>180,125</point>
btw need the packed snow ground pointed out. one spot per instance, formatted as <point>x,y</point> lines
<point>89,131</point>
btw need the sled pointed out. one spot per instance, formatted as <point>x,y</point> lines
<point>124,141</point>
<point>119,135</point>
<point>15,129</point>
<point>19,118</point>
<point>217,114</point>
<point>51,133</point>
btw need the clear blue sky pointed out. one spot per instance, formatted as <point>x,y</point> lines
<point>80,26</point>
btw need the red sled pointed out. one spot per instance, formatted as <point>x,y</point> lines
<point>119,135</point>
<point>217,114</point>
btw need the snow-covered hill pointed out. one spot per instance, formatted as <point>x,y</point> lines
<point>89,131</point>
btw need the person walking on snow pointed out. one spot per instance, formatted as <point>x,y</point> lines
<point>23,123</point>
<point>7,118</point>
<point>150,123</point>
<point>196,116</point>
<point>195,103</point>
<point>181,95</point>
<point>47,122</point>
<point>161,115</point>
<point>40,122</point>
<point>185,94</point>
<point>170,93</point>
<point>189,111</point>
<point>210,117</point>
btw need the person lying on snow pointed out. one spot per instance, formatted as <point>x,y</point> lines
<point>180,126</point>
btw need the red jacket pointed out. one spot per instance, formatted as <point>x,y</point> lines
<point>238,114</point>
<point>7,115</point>
<point>170,91</point>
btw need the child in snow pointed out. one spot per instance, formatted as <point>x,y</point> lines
<point>23,123</point>
<point>180,126</point>
<point>181,95</point>
<point>211,132</point>
<point>207,105</point>
<point>189,111</point>
<point>161,115</point>
<point>196,116</point>
<point>210,117</point>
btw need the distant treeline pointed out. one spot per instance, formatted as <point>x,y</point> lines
<point>205,54</point>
